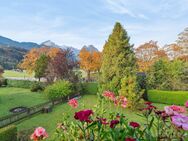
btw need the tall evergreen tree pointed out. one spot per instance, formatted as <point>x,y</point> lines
<point>118,59</point>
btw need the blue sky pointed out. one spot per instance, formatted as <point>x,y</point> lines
<point>80,22</point>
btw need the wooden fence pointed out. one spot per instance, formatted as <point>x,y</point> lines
<point>9,119</point>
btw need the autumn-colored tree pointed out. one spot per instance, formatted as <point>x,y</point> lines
<point>147,54</point>
<point>61,66</point>
<point>29,61</point>
<point>89,61</point>
<point>173,51</point>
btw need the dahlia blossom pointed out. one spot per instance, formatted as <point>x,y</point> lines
<point>130,139</point>
<point>39,134</point>
<point>174,110</point>
<point>73,103</point>
<point>180,121</point>
<point>84,115</point>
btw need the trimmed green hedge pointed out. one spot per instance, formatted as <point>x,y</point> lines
<point>21,83</point>
<point>8,133</point>
<point>90,88</point>
<point>168,97</point>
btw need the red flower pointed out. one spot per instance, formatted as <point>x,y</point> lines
<point>73,103</point>
<point>134,124</point>
<point>113,123</point>
<point>130,139</point>
<point>84,115</point>
<point>148,103</point>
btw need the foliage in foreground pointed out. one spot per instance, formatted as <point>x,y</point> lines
<point>59,89</point>
<point>170,124</point>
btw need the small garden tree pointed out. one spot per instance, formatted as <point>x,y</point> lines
<point>41,65</point>
<point>1,71</point>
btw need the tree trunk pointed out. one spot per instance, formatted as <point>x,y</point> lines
<point>88,75</point>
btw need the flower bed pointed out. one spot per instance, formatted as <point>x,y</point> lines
<point>169,124</point>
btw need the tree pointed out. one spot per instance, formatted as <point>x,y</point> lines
<point>147,54</point>
<point>41,66</point>
<point>183,39</point>
<point>118,59</point>
<point>29,61</point>
<point>89,61</point>
<point>61,66</point>
<point>173,51</point>
<point>168,75</point>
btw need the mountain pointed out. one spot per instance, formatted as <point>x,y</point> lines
<point>90,48</point>
<point>11,43</point>
<point>11,56</point>
<point>49,43</point>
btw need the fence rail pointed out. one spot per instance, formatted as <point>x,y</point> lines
<point>9,119</point>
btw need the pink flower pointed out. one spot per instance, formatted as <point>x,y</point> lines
<point>39,134</point>
<point>121,100</point>
<point>174,110</point>
<point>73,103</point>
<point>109,95</point>
<point>186,104</point>
<point>84,115</point>
<point>102,120</point>
<point>180,121</point>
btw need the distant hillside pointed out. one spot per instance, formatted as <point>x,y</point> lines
<point>10,56</point>
<point>11,43</point>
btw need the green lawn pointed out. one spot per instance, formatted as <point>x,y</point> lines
<point>11,73</point>
<point>13,97</point>
<point>168,97</point>
<point>49,121</point>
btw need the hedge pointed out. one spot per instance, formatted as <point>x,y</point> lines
<point>8,133</point>
<point>168,97</point>
<point>20,83</point>
<point>90,88</point>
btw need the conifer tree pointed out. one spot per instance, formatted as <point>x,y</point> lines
<point>118,59</point>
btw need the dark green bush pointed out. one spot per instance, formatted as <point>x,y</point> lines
<point>24,135</point>
<point>3,82</point>
<point>20,83</point>
<point>142,82</point>
<point>168,97</point>
<point>90,88</point>
<point>37,86</point>
<point>58,90</point>
<point>8,133</point>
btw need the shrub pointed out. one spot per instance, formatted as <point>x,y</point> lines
<point>90,88</point>
<point>3,82</point>
<point>58,90</point>
<point>132,91</point>
<point>8,133</point>
<point>24,135</point>
<point>168,97</point>
<point>20,83</point>
<point>37,86</point>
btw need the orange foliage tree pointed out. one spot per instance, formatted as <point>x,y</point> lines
<point>147,54</point>
<point>89,61</point>
<point>29,61</point>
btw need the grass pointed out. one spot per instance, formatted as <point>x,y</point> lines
<point>49,121</point>
<point>168,97</point>
<point>12,73</point>
<point>12,97</point>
